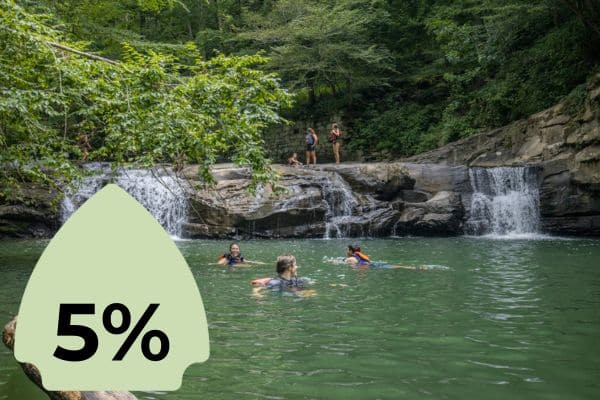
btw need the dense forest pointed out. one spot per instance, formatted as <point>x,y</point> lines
<point>153,80</point>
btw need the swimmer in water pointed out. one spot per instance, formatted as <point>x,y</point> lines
<point>287,275</point>
<point>356,258</point>
<point>234,257</point>
<point>287,278</point>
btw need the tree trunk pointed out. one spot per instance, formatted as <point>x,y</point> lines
<point>8,338</point>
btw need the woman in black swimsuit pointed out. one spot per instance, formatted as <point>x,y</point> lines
<point>334,137</point>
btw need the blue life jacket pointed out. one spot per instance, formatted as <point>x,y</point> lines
<point>231,260</point>
<point>360,260</point>
<point>310,139</point>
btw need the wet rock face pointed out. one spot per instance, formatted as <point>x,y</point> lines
<point>442,215</point>
<point>563,142</point>
<point>35,212</point>
<point>333,201</point>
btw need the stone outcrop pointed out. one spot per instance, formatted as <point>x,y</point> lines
<point>564,141</point>
<point>32,212</point>
<point>378,199</point>
<point>8,338</point>
<point>429,194</point>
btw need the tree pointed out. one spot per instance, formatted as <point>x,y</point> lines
<point>58,103</point>
<point>316,45</point>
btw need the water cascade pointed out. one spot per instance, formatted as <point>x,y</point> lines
<point>340,206</point>
<point>163,195</point>
<point>505,201</point>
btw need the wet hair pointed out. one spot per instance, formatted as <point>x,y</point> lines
<point>284,263</point>
<point>353,247</point>
<point>233,244</point>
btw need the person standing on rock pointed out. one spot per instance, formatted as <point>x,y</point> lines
<point>311,144</point>
<point>334,138</point>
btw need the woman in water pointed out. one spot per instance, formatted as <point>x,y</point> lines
<point>234,257</point>
<point>356,258</point>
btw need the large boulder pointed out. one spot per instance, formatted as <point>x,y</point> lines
<point>229,210</point>
<point>442,215</point>
<point>385,181</point>
<point>32,211</point>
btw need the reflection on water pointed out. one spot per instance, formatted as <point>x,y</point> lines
<point>505,283</point>
<point>506,294</point>
<point>509,318</point>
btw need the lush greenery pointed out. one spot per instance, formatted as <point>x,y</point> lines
<point>194,79</point>
<point>59,106</point>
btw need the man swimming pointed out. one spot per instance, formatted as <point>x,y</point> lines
<point>287,280</point>
<point>287,275</point>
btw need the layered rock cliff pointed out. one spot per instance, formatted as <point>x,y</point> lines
<point>378,199</point>
<point>430,194</point>
<point>563,141</point>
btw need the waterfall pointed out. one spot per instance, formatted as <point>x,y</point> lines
<point>340,206</point>
<point>505,201</point>
<point>162,195</point>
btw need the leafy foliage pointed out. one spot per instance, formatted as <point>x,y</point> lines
<point>313,44</point>
<point>476,65</point>
<point>58,107</point>
<point>405,76</point>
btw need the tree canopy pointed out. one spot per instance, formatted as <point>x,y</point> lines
<point>60,105</point>
<point>194,80</point>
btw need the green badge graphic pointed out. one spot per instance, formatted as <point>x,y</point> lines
<point>112,303</point>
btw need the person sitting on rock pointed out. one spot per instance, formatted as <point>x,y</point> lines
<point>293,160</point>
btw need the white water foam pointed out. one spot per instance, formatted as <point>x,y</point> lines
<point>340,206</point>
<point>162,195</point>
<point>505,202</point>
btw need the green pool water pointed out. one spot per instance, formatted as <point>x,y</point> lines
<point>496,319</point>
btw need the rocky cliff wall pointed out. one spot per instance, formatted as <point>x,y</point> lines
<point>34,212</point>
<point>379,199</point>
<point>429,194</point>
<point>564,141</point>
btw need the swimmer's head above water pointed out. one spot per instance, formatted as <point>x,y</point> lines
<point>355,256</point>
<point>234,249</point>
<point>233,257</point>
<point>286,266</point>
